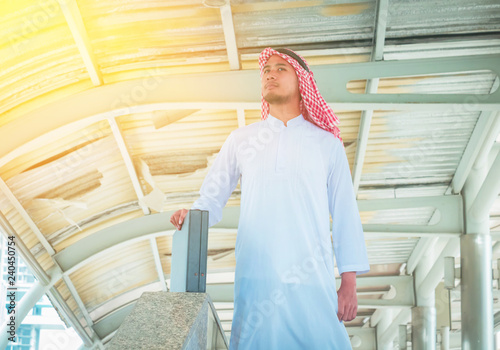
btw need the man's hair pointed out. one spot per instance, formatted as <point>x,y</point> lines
<point>294,56</point>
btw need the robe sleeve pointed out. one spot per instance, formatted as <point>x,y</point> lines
<point>347,231</point>
<point>220,182</point>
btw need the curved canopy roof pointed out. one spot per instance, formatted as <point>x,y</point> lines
<point>112,112</point>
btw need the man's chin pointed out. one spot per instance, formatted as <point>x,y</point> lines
<point>274,99</point>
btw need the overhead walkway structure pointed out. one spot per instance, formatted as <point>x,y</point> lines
<point>111,115</point>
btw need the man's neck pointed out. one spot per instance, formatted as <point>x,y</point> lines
<point>284,112</point>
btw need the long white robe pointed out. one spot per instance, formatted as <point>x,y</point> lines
<point>292,178</point>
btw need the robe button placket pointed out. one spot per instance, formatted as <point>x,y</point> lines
<point>280,155</point>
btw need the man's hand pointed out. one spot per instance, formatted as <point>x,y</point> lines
<point>348,301</point>
<point>178,217</point>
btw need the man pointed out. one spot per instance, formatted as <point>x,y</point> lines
<point>294,173</point>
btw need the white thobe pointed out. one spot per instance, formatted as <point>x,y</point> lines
<point>292,178</point>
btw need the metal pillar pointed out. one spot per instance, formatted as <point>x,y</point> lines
<point>382,325</point>
<point>403,335</point>
<point>445,338</point>
<point>477,299</point>
<point>26,303</point>
<point>480,191</point>
<point>423,328</point>
<point>423,316</point>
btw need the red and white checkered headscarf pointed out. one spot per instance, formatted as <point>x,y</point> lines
<point>312,106</point>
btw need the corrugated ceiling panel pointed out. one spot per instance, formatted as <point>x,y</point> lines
<point>77,186</point>
<point>62,288</point>
<point>390,251</point>
<point>76,144</point>
<point>415,148</point>
<point>429,17</point>
<point>172,149</point>
<point>95,223</point>
<point>442,48</point>
<point>262,24</point>
<point>37,55</point>
<point>128,34</point>
<point>121,269</point>
<point>475,82</point>
<point>27,236</point>
<point>406,216</point>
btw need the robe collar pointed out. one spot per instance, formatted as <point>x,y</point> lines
<point>292,123</point>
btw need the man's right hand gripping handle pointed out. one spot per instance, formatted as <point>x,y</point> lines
<point>177,218</point>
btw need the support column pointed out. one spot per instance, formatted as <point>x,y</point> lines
<point>423,315</point>
<point>26,303</point>
<point>445,338</point>
<point>423,328</point>
<point>476,286</point>
<point>382,325</point>
<point>480,191</point>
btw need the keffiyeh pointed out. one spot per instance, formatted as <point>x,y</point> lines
<point>312,106</point>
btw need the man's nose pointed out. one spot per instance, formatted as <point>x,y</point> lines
<point>270,75</point>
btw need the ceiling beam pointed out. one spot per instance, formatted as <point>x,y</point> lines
<point>371,88</point>
<point>77,254</point>
<point>23,251</point>
<point>75,22</point>
<point>230,36</point>
<point>159,268</point>
<point>485,132</point>
<point>224,293</point>
<point>60,304</point>
<point>129,164</point>
<point>74,294</point>
<point>241,117</point>
<point>26,217</point>
<point>91,247</point>
<point>487,194</point>
<point>195,91</point>
<point>45,280</point>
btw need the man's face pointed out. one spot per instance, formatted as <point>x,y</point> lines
<point>279,84</point>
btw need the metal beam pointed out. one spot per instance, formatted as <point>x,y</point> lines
<point>223,292</point>
<point>27,218</point>
<point>17,205</point>
<point>60,304</point>
<point>159,268</point>
<point>24,252</point>
<point>74,293</point>
<point>366,338</point>
<point>392,330</point>
<point>141,228</point>
<point>125,298</point>
<point>230,36</point>
<point>89,247</point>
<point>195,91</point>
<point>129,164</point>
<point>75,22</point>
<point>24,306</point>
<point>435,274</point>
<point>44,279</point>
<point>485,131</point>
<point>241,117</point>
<point>450,208</point>
<point>403,291</point>
<point>111,322</point>
<point>380,28</point>
<point>371,88</point>
<point>488,193</point>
